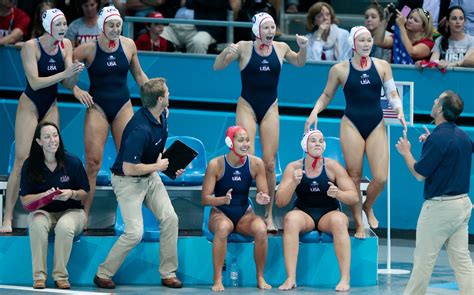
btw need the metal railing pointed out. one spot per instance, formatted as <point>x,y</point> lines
<point>130,20</point>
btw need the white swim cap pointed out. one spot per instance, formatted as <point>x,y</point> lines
<point>49,16</point>
<point>257,20</point>
<point>304,140</point>
<point>356,31</point>
<point>107,13</point>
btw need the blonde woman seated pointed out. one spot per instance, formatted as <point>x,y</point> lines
<point>320,184</point>
<point>229,178</point>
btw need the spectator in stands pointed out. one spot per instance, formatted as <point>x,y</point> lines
<point>362,126</point>
<point>197,39</point>
<point>415,35</point>
<point>50,168</point>
<point>468,7</point>
<point>320,185</point>
<point>108,61</point>
<point>47,60</point>
<point>152,40</point>
<point>374,16</point>
<point>445,166</point>
<point>85,29</point>
<point>13,23</point>
<point>30,7</point>
<point>326,41</point>
<point>296,6</point>
<point>135,180</point>
<point>260,63</point>
<point>231,210</point>
<point>451,49</point>
<point>438,10</point>
<point>37,29</point>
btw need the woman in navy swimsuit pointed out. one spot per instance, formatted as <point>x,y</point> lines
<point>226,188</point>
<point>108,101</point>
<point>320,184</point>
<point>47,60</point>
<point>362,126</point>
<point>260,64</point>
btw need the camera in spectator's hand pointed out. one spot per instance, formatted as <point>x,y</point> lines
<point>391,8</point>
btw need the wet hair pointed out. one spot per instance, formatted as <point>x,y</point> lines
<point>314,11</point>
<point>452,105</point>
<point>151,90</point>
<point>447,34</point>
<point>36,158</point>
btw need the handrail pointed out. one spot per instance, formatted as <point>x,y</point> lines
<point>130,20</point>
<point>199,22</point>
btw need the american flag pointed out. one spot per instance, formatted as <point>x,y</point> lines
<point>399,52</point>
<point>388,112</point>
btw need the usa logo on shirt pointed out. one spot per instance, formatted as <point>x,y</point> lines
<point>314,187</point>
<point>236,176</point>
<point>64,178</point>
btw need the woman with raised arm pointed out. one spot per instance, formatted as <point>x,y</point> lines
<point>362,127</point>
<point>260,63</point>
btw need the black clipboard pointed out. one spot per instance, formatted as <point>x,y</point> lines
<point>179,156</point>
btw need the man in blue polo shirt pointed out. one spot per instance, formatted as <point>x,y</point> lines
<point>445,165</point>
<point>135,180</point>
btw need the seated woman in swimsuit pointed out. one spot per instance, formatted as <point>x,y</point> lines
<point>260,64</point>
<point>320,184</point>
<point>226,188</point>
<point>362,127</point>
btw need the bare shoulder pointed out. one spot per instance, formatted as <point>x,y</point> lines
<point>295,164</point>
<point>380,63</point>
<point>255,161</point>
<point>245,47</point>
<point>86,48</point>
<point>215,164</point>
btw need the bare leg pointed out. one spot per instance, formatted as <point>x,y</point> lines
<point>245,117</point>
<point>353,146</point>
<point>377,154</point>
<point>335,223</point>
<point>252,225</point>
<point>221,226</point>
<point>25,125</point>
<point>269,136</point>
<point>95,134</point>
<point>296,221</point>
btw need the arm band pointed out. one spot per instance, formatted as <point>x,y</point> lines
<point>388,87</point>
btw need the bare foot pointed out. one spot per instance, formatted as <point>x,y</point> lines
<point>270,226</point>
<point>289,284</point>
<point>6,227</point>
<point>360,232</point>
<point>218,287</point>
<point>373,222</point>
<point>343,286</point>
<point>262,284</point>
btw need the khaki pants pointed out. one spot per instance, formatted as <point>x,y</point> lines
<point>184,34</point>
<point>66,225</point>
<point>442,223</point>
<point>131,192</point>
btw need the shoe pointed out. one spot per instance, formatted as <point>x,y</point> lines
<point>104,283</point>
<point>62,284</point>
<point>39,284</point>
<point>172,283</point>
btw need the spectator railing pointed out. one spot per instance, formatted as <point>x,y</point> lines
<point>130,20</point>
